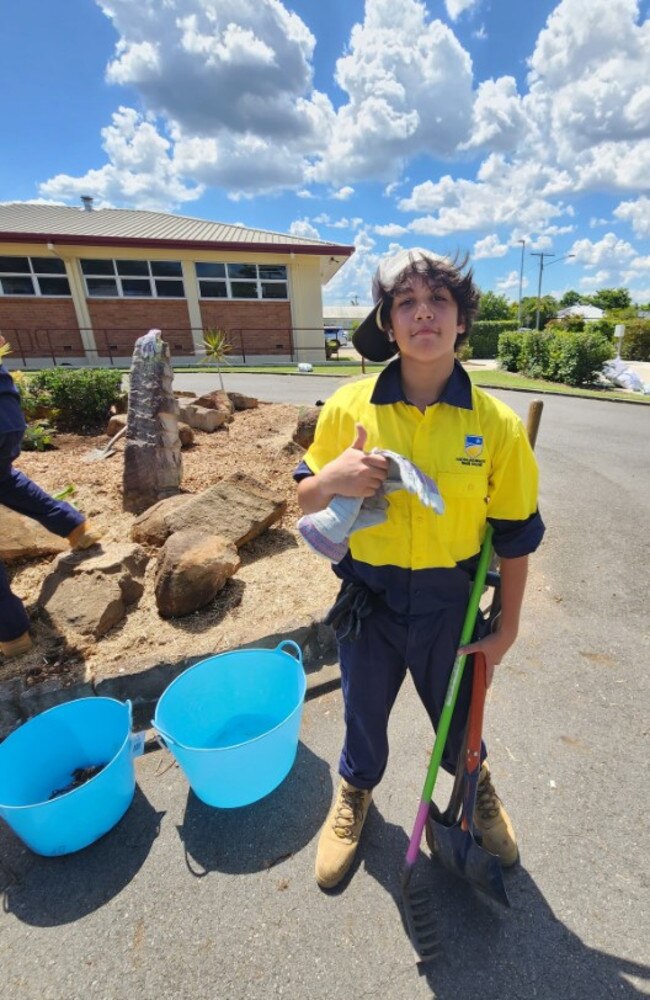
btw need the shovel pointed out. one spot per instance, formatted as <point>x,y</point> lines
<point>455,844</point>
<point>96,454</point>
<point>416,903</point>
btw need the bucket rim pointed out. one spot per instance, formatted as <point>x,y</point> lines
<point>255,739</point>
<point>80,788</point>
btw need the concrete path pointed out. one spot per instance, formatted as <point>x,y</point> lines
<point>182,901</point>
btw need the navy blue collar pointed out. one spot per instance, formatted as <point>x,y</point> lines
<point>388,389</point>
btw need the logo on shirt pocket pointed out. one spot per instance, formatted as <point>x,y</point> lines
<point>473,445</point>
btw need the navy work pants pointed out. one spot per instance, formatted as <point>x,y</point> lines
<point>373,667</point>
<point>20,493</point>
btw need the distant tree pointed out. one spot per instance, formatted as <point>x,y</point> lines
<point>548,308</point>
<point>493,306</point>
<point>611,298</point>
<point>571,298</point>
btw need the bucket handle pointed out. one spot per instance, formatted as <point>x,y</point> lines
<point>164,739</point>
<point>293,646</point>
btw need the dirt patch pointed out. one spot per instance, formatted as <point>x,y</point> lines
<point>279,581</point>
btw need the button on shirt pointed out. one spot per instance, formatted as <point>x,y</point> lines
<point>473,446</point>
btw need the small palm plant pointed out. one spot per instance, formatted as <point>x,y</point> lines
<point>5,347</point>
<point>216,350</point>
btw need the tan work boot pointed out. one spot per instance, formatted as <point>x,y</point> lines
<point>339,837</point>
<point>493,823</point>
<point>84,535</point>
<point>16,647</point>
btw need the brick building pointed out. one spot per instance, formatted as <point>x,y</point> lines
<point>81,284</point>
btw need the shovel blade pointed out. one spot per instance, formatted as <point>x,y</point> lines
<point>461,854</point>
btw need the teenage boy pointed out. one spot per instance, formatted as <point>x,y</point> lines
<point>412,573</point>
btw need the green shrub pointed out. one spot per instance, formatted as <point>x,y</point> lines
<point>575,358</point>
<point>465,352</point>
<point>509,350</point>
<point>484,336</point>
<point>331,349</point>
<point>79,400</point>
<point>534,356</point>
<point>636,341</point>
<point>38,436</point>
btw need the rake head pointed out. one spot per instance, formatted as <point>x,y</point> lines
<point>420,919</point>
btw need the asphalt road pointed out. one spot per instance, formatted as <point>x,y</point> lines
<point>182,901</point>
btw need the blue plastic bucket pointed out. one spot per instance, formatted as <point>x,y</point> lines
<point>40,758</point>
<point>232,722</point>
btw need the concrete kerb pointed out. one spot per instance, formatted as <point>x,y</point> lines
<point>142,682</point>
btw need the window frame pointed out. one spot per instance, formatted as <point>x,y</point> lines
<point>229,280</point>
<point>34,276</point>
<point>151,278</point>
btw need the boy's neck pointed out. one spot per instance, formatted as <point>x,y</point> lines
<point>424,384</point>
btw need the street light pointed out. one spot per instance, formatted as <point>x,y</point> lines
<point>541,271</point>
<point>521,276</point>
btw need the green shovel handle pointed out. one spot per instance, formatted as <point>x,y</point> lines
<point>459,665</point>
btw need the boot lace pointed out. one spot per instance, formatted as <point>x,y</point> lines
<point>349,813</point>
<point>487,800</point>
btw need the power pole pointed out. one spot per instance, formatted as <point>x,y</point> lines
<point>539,283</point>
<point>521,277</point>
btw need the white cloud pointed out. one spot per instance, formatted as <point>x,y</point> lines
<point>641,263</point>
<point>343,193</point>
<point>637,213</point>
<point>610,252</point>
<point>142,171</point>
<point>457,7</point>
<point>390,229</point>
<point>409,86</point>
<point>599,280</point>
<point>511,280</point>
<point>498,119</point>
<point>305,193</point>
<point>594,223</point>
<point>304,228</point>
<point>481,33</point>
<point>489,247</point>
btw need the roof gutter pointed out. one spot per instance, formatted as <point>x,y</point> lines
<point>333,249</point>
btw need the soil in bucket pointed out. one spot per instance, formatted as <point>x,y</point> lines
<point>80,776</point>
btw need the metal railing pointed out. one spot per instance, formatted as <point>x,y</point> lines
<point>61,345</point>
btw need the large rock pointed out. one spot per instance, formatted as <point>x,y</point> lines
<point>87,594</point>
<point>118,422</point>
<point>218,399</point>
<point>21,538</point>
<point>192,568</point>
<point>241,402</point>
<point>202,418</point>
<point>238,509</point>
<point>152,454</point>
<point>306,427</point>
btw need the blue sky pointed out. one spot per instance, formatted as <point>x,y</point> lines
<point>452,124</point>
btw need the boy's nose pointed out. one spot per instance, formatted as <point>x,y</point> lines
<point>424,308</point>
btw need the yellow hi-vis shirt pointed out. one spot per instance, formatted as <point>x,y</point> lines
<point>476,450</point>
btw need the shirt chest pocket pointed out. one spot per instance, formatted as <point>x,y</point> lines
<point>462,524</point>
<point>463,486</point>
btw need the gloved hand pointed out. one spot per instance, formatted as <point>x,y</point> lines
<point>404,475</point>
<point>327,531</point>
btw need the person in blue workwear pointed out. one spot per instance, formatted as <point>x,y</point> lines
<point>406,579</point>
<point>21,494</point>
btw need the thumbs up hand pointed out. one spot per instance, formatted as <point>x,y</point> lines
<point>356,473</point>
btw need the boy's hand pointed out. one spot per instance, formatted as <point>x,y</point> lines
<point>494,647</point>
<point>355,473</point>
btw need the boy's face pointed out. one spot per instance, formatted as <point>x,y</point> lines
<point>424,320</point>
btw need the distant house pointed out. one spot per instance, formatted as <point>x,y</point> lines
<point>343,315</point>
<point>81,284</point>
<point>588,313</point>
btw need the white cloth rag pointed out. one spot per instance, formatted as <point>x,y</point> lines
<point>328,531</point>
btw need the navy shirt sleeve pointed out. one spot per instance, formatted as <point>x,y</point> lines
<point>11,415</point>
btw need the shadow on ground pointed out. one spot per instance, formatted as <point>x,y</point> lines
<point>47,892</point>
<point>490,953</point>
<point>256,837</point>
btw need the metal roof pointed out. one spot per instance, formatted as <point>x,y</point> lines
<point>27,222</point>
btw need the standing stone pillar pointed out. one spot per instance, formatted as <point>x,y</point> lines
<point>152,455</point>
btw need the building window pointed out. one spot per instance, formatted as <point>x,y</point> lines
<point>33,276</point>
<point>133,279</point>
<point>242,281</point>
